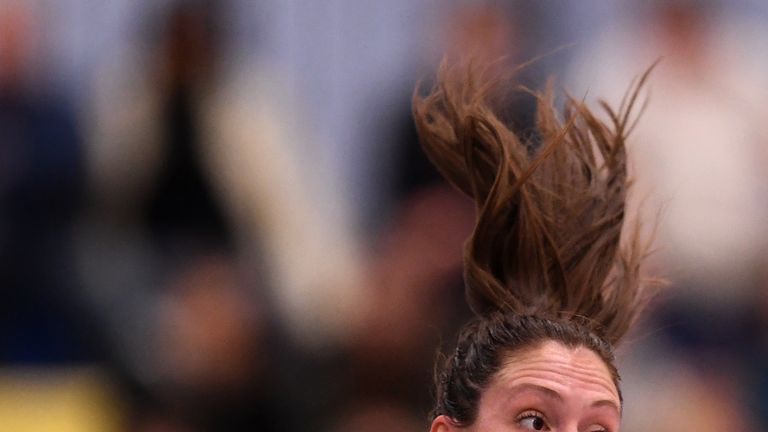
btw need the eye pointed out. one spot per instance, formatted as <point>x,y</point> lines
<point>532,420</point>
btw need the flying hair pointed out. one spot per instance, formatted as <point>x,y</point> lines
<point>550,209</point>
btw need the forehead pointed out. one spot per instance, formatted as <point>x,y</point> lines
<point>577,375</point>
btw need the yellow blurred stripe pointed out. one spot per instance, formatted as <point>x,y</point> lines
<point>44,400</point>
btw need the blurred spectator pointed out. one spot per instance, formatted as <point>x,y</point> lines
<point>698,157</point>
<point>195,179</point>
<point>193,118</point>
<point>41,169</point>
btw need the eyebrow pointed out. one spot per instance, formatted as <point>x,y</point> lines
<point>606,403</point>
<point>552,394</point>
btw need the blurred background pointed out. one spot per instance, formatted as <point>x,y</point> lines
<point>215,216</point>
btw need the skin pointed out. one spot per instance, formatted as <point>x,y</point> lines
<point>549,387</point>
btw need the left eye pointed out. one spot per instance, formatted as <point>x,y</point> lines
<point>533,422</point>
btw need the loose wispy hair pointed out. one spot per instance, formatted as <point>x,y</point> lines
<point>547,241</point>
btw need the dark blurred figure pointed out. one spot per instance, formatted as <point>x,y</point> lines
<point>41,173</point>
<point>182,209</point>
<point>162,258</point>
<point>214,373</point>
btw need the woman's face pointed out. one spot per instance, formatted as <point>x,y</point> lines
<point>548,388</point>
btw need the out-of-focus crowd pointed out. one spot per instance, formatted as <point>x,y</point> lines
<point>215,215</point>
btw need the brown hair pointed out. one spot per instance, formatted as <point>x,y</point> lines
<point>544,261</point>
